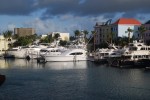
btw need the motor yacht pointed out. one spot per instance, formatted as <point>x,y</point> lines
<point>67,55</point>
<point>75,51</point>
<point>137,50</point>
<point>138,55</point>
<point>52,50</point>
<point>16,52</point>
<point>103,54</point>
<point>33,51</point>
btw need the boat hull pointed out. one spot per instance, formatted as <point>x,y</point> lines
<point>15,54</point>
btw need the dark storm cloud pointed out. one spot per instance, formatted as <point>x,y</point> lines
<point>107,8</point>
<point>17,7</point>
<point>75,7</point>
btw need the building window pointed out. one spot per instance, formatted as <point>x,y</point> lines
<point>100,30</point>
<point>100,35</point>
<point>107,36</point>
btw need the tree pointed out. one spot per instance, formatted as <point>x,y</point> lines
<point>72,38</point>
<point>77,33</point>
<point>15,36</point>
<point>111,36</point>
<point>23,41</point>
<point>142,30</point>
<point>63,43</point>
<point>7,35</point>
<point>129,31</point>
<point>45,40</point>
<point>56,36</point>
<point>85,34</point>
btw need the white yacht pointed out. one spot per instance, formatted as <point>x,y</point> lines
<point>102,55</point>
<point>16,52</point>
<point>67,55</point>
<point>138,55</point>
<point>52,50</point>
<point>137,51</point>
<point>76,51</point>
<point>33,51</point>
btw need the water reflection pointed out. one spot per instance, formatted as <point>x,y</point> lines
<point>3,64</point>
<point>66,65</point>
<point>25,64</point>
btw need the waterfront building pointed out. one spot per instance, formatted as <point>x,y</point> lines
<point>102,32</point>
<point>44,36</point>
<point>121,25</point>
<point>147,32</point>
<point>21,32</point>
<point>3,44</point>
<point>105,31</point>
<point>63,36</point>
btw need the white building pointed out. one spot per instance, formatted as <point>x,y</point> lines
<point>63,36</point>
<point>121,25</point>
<point>44,36</point>
<point>3,44</point>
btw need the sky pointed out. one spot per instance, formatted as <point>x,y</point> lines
<point>68,15</point>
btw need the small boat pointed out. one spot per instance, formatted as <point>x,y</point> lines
<point>2,79</point>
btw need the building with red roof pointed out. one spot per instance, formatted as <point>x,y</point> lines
<point>121,25</point>
<point>119,29</point>
<point>128,21</point>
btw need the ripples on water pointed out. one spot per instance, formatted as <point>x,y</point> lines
<point>29,80</point>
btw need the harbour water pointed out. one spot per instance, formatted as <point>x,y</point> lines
<point>29,80</point>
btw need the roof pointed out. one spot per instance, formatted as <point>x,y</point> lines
<point>128,21</point>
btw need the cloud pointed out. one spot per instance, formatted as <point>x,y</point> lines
<point>11,27</point>
<point>74,7</point>
<point>94,7</point>
<point>66,23</point>
<point>69,15</point>
<point>17,7</point>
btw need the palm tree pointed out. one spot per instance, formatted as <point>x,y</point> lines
<point>129,31</point>
<point>142,30</point>
<point>111,36</point>
<point>85,34</point>
<point>7,35</point>
<point>56,36</point>
<point>77,33</point>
